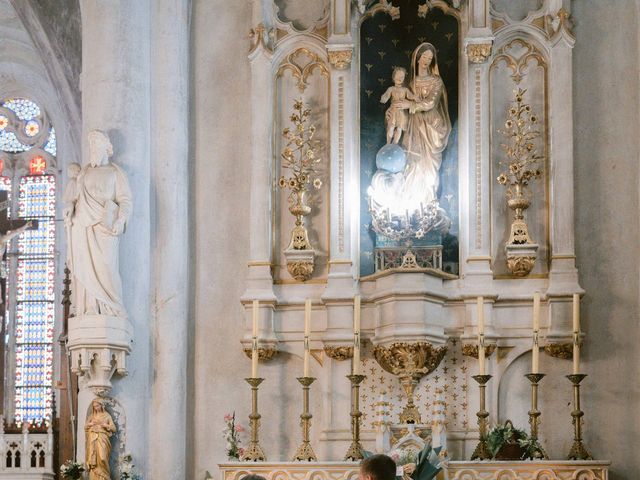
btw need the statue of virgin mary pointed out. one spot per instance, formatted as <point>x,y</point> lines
<point>424,141</point>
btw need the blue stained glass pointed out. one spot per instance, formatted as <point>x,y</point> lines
<point>40,242</point>
<point>37,196</point>
<point>24,109</point>
<point>34,322</point>
<point>10,143</point>
<point>52,144</point>
<point>34,280</point>
<point>33,403</point>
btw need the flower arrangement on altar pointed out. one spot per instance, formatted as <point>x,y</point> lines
<point>127,468</point>
<point>71,470</point>
<point>231,435</point>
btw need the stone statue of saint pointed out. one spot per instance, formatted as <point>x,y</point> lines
<point>98,430</point>
<point>98,203</point>
<point>425,138</point>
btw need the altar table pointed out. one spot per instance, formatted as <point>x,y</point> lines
<point>467,470</point>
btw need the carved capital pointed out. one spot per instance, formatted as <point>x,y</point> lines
<point>301,270</point>
<point>264,353</point>
<point>478,52</point>
<point>471,350</point>
<point>339,352</point>
<point>340,59</point>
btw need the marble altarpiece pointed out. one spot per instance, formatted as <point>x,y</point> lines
<point>338,57</point>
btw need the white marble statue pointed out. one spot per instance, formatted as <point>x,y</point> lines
<point>426,137</point>
<point>98,205</point>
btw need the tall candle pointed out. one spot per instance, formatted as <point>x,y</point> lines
<point>254,341</point>
<point>356,336</point>
<point>480,307</point>
<point>535,352</point>
<point>576,333</point>
<point>307,331</point>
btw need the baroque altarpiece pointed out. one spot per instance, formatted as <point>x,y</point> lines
<point>409,109</point>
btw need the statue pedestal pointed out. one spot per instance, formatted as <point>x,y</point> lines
<point>99,345</point>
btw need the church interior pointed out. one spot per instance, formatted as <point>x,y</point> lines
<point>280,237</point>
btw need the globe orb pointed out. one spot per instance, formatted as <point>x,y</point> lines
<point>392,158</point>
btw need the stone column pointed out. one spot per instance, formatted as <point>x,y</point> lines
<point>259,279</point>
<point>116,99</point>
<point>170,20</point>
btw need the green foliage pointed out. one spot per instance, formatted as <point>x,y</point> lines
<point>501,435</point>
<point>428,464</point>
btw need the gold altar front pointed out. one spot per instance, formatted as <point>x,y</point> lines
<point>527,470</point>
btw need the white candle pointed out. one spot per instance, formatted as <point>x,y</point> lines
<point>356,336</point>
<point>480,315</point>
<point>481,362</point>
<point>576,333</point>
<point>254,342</point>
<point>535,352</point>
<point>307,331</point>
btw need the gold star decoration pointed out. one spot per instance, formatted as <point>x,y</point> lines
<point>382,54</point>
<point>435,25</point>
<point>369,66</point>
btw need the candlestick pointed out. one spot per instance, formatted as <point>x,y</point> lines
<point>578,450</point>
<point>355,449</point>
<point>307,331</point>
<point>305,451</point>
<point>534,414</point>
<point>576,333</point>
<point>355,369</point>
<point>254,341</point>
<point>482,449</point>
<point>254,453</point>
<point>480,307</point>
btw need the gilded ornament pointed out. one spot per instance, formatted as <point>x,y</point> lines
<point>264,353</point>
<point>260,36</point>
<point>521,266</point>
<point>300,270</point>
<point>471,350</point>
<point>302,63</point>
<point>339,352</point>
<point>410,362</point>
<point>300,158</point>
<point>340,59</point>
<point>519,169</point>
<point>560,350</point>
<point>478,52</point>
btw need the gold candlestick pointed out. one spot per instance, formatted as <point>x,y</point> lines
<point>534,414</point>
<point>578,450</point>
<point>305,452</point>
<point>482,449</point>
<point>355,449</point>
<point>254,452</point>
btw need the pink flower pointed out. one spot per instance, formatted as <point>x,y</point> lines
<point>241,451</point>
<point>239,428</point>
<point>227,417</point>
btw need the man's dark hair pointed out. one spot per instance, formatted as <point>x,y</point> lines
<point>380,467</point>
<point>253,476</point>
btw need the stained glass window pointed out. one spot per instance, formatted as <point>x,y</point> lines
<point>35,299</point>
<point>30,265</point>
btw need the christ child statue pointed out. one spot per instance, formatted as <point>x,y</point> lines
<point>396,116</point>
